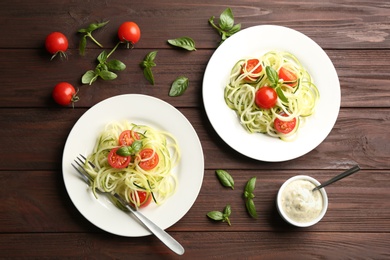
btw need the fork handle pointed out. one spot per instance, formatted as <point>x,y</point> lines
<point>167,239</point>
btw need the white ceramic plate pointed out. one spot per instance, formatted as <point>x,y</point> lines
<point>255,41</point>
<point>139,109</point>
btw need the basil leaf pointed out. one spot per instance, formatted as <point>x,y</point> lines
<point>89,77</point>
<point>124,151</point>
<point>183,42</point>
<point>227,211</point>
<point>225,178</point>
<point>215,215</point>
<point>102,57</point>
<point>116,65</point>
<point>226,19</point>
<point>151,56</point>
<point>250,185</point>
<point>272,75</point>
<point>147,65</point>
<point>149,75</point>
<point>136,146</point>
<point>250,206</point>
<point>107,75</point>
<point>281,95</point>
<point>179,86</point>
<point>83,44</point>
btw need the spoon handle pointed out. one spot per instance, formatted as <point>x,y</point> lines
<point>338,177</point>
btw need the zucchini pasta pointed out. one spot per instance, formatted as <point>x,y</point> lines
<point>135,161</point>
<point>271,94</point>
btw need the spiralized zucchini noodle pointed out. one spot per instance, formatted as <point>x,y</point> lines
<point>296,98</point>
<point>160,181</point>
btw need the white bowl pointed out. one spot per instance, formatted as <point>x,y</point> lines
<point>285,210</point>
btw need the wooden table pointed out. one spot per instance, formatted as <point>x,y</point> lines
<point>37,218</point>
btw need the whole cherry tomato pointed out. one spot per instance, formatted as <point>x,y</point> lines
<point>64,94</point>
<point>266,97</point>
<point>129,32</point>
<point>56,43</point>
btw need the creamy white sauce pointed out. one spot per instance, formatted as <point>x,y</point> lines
<point>300,203</point>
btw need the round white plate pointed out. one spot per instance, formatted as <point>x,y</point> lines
<point>255,41</point>
<point>138,109</point>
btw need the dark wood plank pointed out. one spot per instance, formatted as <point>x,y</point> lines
<point>346,24</point>
<point>236,245</point>
<point>364,77</point>
<point>359,136</point>
<point>40,204</point>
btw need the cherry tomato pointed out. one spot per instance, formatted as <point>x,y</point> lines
<point>117,161</point>
<point>129,32</point>
<point>144,198</point>
<point>64,94</point>
<point>148,160</point>
<point>249,66</point>
<point>288,76</point>
<point>266,97</point>
<point>126,138</point>
<point>284,127</point>
<point>56,43</point>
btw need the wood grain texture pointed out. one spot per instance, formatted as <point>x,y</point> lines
<point>37,217</point>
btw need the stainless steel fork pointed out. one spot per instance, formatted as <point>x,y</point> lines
<point>167,239</point>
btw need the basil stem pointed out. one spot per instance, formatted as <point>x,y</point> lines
<point>88,33</point>
<point>225,178</point>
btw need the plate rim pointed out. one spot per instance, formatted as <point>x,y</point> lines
<point>102,201</point>
<point>210,101</point>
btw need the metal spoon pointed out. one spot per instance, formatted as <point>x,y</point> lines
<point>338,177</point>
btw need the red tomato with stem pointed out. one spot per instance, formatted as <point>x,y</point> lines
<point>284,127</point>
<point>127,137</point>
<point>288,76</point>
<point>64,94</point>
<point>266,97</point>
<point>117,161</point>
<point>149,159</point>
<point>249,66</point>
<point>129,32</point>
<point>144,198</point>
<point>56,43</point>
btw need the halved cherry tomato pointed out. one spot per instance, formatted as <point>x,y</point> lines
<point>126,138</point>
<point>266,97</point>
<point>144,198</point>
<point>149,159</point>
<point>249,66</point>
<point>117,161</point>
<point>288,76</point>
<point>284,127</point>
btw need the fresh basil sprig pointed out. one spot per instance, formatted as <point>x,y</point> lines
<point>179,86</point>
<point>225,178</point>
<point>147,65</point>
<point>273,77</point>
<point>221,216</point>
<point>226,26</point>
<point>131,149</point>
<point>183,42</point>
<point>248,194</point>
<point>103,69</point>
<point>88,33</point>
